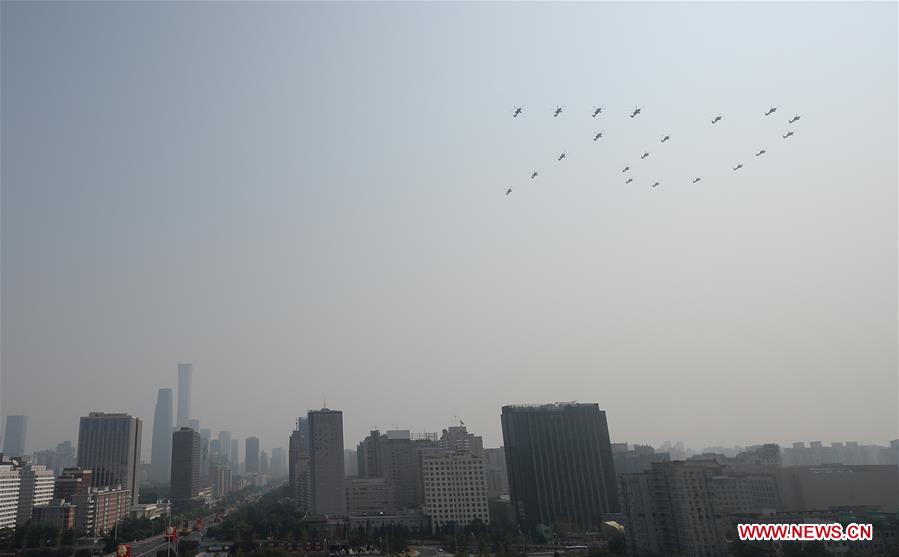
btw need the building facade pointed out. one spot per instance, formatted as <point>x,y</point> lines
<point>35,489</point>
<point>251,455</point>
<point>109,444</point>
<point>14,435</point>
<point>185,477</point>
<point>326,462</point>
<point>185,379</point>
<point>161,448</point>
<point>559,463</point>
<point>455,487</point>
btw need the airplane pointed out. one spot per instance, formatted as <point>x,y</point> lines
<point>562,156</point>
<point>518,110</point>
<point>716,118</point>
<point>666,138</point>
<point>629,180</point>
<point>557,112</point>
<point>654,185</point>
<point>771,110</point>
<point>644,155</point>
<point>789,133</point>
<point>762,152</point>
<point>508,191</point>
<point>738,167</point>
<point>534,175</point>
<point>597,110</point>
<point>696,179</point>
<point>636,111</point>
<point>597,136</point>
<point>626,168</point>
<point>793,119</point>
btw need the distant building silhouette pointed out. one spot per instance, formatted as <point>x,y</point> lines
<point>14,435</point>
<point>161,448</point>
<point>185,378</point>
<point>251,455</point>
<point>326,462</point>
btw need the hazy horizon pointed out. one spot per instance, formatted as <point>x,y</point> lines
<point>306,201</point>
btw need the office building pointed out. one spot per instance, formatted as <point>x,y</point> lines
<point>299,475</point>
<point>35,489</point>
<point>14,435</point>
<point>204,454</point>
<point>71,482</point>
<point>326,462</point>
<point>161,449</point>
<point>100,508</point>
<point>185,480</point>
<point>455,487</point>
<point>277,463</point>
<point>369,495</point>
<point>185,377</point>
<point>637,459</point>
<point>56,512</point>
<point>220,474</point>
<point>457,438</point>
<point>497,477</point>
<point>251,455</point>
<point>263,463</point>
<point>234,458</point>
<point>394,456</point>
<point>559,464</point>
<point>9,495</point>
<point>109,444</point>
<point>225,445</point>
<point>350,463</point>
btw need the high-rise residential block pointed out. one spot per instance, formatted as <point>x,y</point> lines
<point>326,462</point>
<point>109,444</point>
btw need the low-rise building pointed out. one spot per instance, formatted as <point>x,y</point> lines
<point>369,494</point>
<point>56,512</point>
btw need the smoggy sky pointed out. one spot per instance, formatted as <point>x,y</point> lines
<point>306,201</point>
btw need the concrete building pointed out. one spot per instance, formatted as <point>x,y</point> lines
<point>205,434</point>
<point>185,480</point>
<point>251,455</point>
<point>394,456</point>
<point>35,489</point>
<point>455,487</point>
<point>560,467</point>
<point>326,462</point>
<point>58,459</point>
<point>263,463</point>
<point>161,448</point>
<point>497,476</point>
<point>99,509</point>
<point>369,495</point>
<point>298,462</point>
<point>350,463</point>
<point>56,512</point>
<point>848,453</point>
<point>813,488</point>
<point>109,444</point>
<point>457,438</point>
<point>9,495</point>
<point>71,482</point>
<point>221,479</point>
<point>637,459</point>
<point>14,435</point>
<point>234,457</point>
<point>185,378</point>
<point>225,446</point>
<point>278,464</point>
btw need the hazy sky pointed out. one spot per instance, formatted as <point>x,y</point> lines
<point>306,201</point>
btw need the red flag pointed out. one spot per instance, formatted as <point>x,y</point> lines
<point>171,534</point>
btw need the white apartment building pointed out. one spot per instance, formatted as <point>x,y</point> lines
<point>35,489</point>
<point>10,480</point>
<point>455,487</point>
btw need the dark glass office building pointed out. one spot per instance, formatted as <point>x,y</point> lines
<point>185,482</point>
<point>559,462</point>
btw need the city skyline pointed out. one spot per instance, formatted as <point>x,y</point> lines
<point>310,198</point>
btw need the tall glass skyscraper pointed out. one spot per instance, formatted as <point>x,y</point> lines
<point>559,463</point>
<point>14,435</point>
<point>185,371</point>
<point>161,449</point>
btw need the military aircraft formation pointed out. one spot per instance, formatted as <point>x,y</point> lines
<point>597,110</point>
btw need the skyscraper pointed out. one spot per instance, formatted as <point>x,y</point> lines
<point>14,436</point>
<point>185,481</point>
<point>277,463</point>
<point>234,456</point>
<point>298,472</point>
<point>109,444</point>
<point>559,463</point>
<point>185,371</point>
<point>225,447</point>
<point>263,463</point>
<point>328,481</point>
<point>251,455</point>
<point>161,450</point>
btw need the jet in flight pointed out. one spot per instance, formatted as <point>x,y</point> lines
<point>789,133</point>
<point>508,191</point>
<point>597,136</point>
<point>738,167</point>
<point>597,110</point>
<point>629,180</point>
<point>562,156</point>
<point>636,111</point>
<point>696,179</point>
<point>760,153</point>
<point>518,110</point>
<point>771,111</point>
<point>794,119</point>
<point>716,118</point>
<point>534,175</point>
<point>557,112</point>
<point>666,138</point>
<point>626,168</point>
<point>644,155</point>
<point>654,185</point>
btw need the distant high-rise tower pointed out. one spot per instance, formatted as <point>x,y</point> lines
<point>225,448</point>
<point>185,371</point>
<point>251,455</point>
<point>559,463</point>
<point>185,482</point>
<point>326,462</point>
<point>234,456</point>
<point>109,444</point>
<point>298,472</point>
<point>263,463</point>
<point>14,436</point>
<point>161,450</point>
